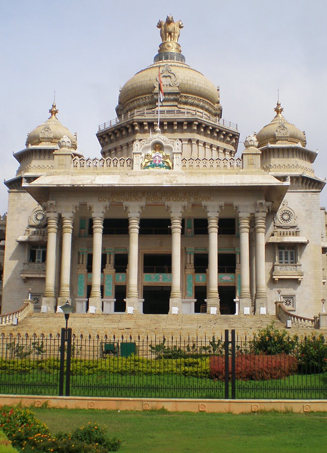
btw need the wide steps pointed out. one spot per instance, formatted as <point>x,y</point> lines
<point>197,325</point>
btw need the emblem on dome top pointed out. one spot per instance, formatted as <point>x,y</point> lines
<point>169,33</point>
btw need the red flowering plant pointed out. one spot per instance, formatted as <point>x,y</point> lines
<point>19,424</point>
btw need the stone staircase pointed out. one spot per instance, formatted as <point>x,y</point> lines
<point>126,325</point>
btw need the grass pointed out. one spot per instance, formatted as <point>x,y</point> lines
<point>5,445</point>
<point>163,386</point>
<point>161,431</point>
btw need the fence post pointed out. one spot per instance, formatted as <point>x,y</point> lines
<point>69,354</point>
<point>66,336</point>
<point>62,362</point>
<point>233,364</point>
<point>226,365</point>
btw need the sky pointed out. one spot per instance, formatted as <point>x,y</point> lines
<point>84,51</point>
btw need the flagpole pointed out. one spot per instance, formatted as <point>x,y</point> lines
<point>158,129</point>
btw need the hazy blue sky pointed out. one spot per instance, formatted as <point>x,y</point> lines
<point>85,50</point>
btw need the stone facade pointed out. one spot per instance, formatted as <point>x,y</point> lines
<point>168,219</point>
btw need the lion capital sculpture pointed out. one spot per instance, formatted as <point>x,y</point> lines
<point>170,30</point>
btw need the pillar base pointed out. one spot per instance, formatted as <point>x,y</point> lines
<point>261,306</point>
<point>62,300</point>
<point>132,305</point>
<point>95,302</point>
<point>212,304</point>
<point>48,304</point>
<point>175,304</point>
<point>245,307</point>
<point>322,320</point>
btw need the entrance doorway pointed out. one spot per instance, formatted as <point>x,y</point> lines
<point>120,296</point>
<point>227,296</point>
<point>156,300</point>
<point>200,294</point>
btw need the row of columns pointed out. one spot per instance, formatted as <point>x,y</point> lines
<point>132,296</point>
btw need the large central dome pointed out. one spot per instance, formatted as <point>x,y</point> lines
<point>183,87</point>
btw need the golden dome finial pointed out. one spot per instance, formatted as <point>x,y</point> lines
<point>278,109</point>
<point>169,33</point>
<point>53,111</point>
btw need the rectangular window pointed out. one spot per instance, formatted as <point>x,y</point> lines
<point>200,263</point>
<point>157,264</point>
<point>286,255</point>
<point>37,254</point>
<point>121,261</point>
<point>225,226</point>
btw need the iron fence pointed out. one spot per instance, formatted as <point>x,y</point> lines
<point>161,367</point>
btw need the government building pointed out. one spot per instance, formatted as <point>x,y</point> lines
<point>175,216</point>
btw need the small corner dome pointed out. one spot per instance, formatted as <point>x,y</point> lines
<point>280,131</point>
<point>50,132</point>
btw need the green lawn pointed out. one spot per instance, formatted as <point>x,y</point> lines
<point>162,432</point>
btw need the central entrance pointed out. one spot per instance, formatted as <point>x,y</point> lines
<point>156,300</point>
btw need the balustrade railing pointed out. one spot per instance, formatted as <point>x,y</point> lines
<point>13,317</point>
<point>285,315</point>
<point>168,113</point>
<point>190,163</point>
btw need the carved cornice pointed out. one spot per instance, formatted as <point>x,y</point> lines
<point>287,168</point>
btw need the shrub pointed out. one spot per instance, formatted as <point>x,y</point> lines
<point>255,367</point>
<point>273,341</point>
<point>66,443</point>
<point>19,424</point>
<point>312,354</point>
<point>95,434</point>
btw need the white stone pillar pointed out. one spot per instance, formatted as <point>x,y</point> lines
<point>48,299</point>
<point>260,258</point>
<point>67,230</point>
<point>132,296</point>
<point>95,296</point>
<point>212,285</point>
<point>175,301</point>
<point>252,264</point>
<point>244,230</point>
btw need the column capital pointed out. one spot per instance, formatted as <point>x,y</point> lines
<point>50,207</point>
<point>213,208</point>
<point>133,208</point>
<point>97,214</point>
<point>262,207</point>
<point>176,208</point>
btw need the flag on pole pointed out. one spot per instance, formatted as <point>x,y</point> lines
<point>161,92</point>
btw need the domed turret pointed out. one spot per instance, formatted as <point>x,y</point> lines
<point>50,132</point>
<point>280,131</point>
<point>183,87</point>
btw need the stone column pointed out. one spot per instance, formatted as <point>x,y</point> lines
<point>252,264</point>
<point>48,299</point>
<point>244,230</point>
<point>260,258</point>
<point>175,300</point>
<point>212,285</point>
<point>95,296</point>
<point>67,230</point>
<point>132,296</point>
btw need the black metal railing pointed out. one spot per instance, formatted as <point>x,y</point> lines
<point>160,367</point>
